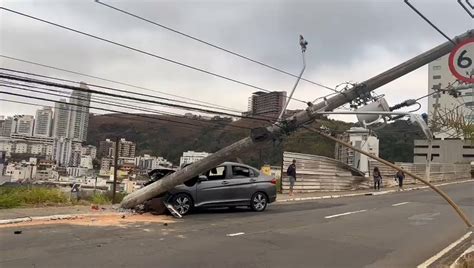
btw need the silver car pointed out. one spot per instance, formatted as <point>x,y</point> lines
<point>228,185</point>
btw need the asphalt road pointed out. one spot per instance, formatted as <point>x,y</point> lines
<point>395,230</point>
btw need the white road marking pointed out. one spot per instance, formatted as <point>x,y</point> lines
<point>235,234</point>
<point>444,251</point>
<point>399,204</point>
<point>344,214</point>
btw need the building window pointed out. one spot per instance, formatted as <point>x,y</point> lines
<point>436,76</point>
<point>437,67</point>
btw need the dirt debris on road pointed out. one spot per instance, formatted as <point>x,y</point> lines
<point>100,220</point>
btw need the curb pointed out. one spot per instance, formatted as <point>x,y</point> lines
<point>444,251</point>
<point>55,217</point>
<point>366,193</point>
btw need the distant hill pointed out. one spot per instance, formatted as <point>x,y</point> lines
<point>160,137</point>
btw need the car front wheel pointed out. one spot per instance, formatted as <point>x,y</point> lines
<point>259,202</point>
<point>182,203</point>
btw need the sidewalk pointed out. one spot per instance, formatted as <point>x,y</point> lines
<point>338,194</point>
<point>14,213</point>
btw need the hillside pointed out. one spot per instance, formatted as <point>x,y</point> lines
<point>169,139</point>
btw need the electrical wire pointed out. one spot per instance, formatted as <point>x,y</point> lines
<point>79,111</point>
<point>141,51</point>
<point>47,83</point>
<point>115,89</point>
<point>106,103</point>
<point>98,108</point>
<point>213,45</point>
<point>116,82</point>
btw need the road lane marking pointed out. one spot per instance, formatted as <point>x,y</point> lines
<point>344,214</point>
<point>444,251</point>
<point>400,204</point>
<point>235,234</point>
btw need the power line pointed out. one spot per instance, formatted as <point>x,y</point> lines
<point>98,108</point>
<point>47,83</point>
<point>117,82</point>
<point>213,45</point>
<point>79,111</point>
<point>141,51</point>
<point>429,22</point>
<point>111,88</point>
<point>106,103</point>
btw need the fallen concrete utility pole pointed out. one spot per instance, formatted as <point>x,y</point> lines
<point>436,189</point>
<point>262,136</point>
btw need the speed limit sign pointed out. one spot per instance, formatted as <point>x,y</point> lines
<point>461,61</point>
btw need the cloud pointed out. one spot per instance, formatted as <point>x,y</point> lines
<point>348,40</point>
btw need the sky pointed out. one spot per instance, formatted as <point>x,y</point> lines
<point>349,41</point>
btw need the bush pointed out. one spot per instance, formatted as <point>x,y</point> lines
<point>100,199</point>
<point>11,197</point>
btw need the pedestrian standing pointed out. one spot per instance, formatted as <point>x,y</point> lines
<point>291,173</point>
<point>377,178</point>
<point>400,177</point>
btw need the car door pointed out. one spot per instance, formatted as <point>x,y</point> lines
<point>215,189</point>
<point>242,182</point>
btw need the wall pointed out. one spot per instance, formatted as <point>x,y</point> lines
<point>318,173</point>
<point>439,172</point>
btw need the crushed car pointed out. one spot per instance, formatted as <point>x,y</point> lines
<point>227,185</point>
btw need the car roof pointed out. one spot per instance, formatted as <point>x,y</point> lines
<point>237,164</point>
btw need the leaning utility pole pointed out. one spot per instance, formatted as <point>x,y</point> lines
<point>262,136</point>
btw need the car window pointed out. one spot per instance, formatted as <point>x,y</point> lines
<point>240,172</point>
<point>217,173</point>
<point>255,173</point>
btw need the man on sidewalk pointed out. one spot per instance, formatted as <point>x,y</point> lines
<point>291,173</point>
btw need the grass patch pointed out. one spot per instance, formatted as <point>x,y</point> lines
<point>11,197</point>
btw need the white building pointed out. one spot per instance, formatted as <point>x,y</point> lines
<point>21,148</point>
<point>61,119</point>
<point>43,122</point>
<point>147,162</point>
<point>361,139</point>
<point>89,150</point>
<point>439,77</point>
<point>77,171</point>
<point>79,113</point>
<point>24,125</point>
<point>62,151</point>
<point>86,162</point>
<point>191,156</point>
<point>38,149</point>
<point>6,126</point>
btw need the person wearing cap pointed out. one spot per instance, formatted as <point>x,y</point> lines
<point>291,173</point>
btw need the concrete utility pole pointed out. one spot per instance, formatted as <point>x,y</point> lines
<point>262,136</point>
<point>116,154</point>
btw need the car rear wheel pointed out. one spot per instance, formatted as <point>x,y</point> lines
<point>182,203</point>
<point>259,202</point>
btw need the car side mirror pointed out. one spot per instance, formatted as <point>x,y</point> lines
<point>202,178</point>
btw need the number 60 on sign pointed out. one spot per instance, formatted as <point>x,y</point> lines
<point>461,61</point>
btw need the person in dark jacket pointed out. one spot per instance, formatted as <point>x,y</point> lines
<point>377,178</point>
<point>400,176</point>
<point>291,172</point>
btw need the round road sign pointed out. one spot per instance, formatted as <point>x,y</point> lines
<point>461,61</point>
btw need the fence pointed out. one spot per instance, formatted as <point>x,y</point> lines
<point>319,173</point>
<point>438,172</point>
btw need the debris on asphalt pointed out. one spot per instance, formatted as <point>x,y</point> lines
<point>17,232</point>
<point>165,224</point>
<point>95,207</point>
<point>123,216</point>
